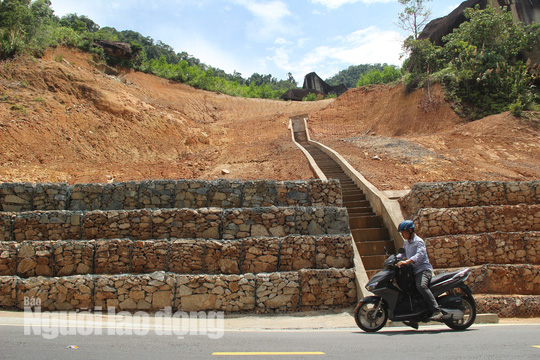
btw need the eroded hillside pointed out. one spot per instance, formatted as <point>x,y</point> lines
<point>62,120</point>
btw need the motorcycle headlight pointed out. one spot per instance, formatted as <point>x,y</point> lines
<point>371,287</point>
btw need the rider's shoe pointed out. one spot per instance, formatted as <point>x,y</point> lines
<point>412,324</point>
<point>437,316</point>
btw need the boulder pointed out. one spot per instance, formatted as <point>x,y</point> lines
<point>526,11</point>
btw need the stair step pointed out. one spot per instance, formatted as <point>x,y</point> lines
<point>373,262</point>
<point>360,210</point>
<point>360,222</point>
<point>370,234</point>
<point>368,248</point>
<point>356,204</point>
<point>353,197</point>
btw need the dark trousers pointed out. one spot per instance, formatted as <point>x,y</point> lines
<point>422,284</point>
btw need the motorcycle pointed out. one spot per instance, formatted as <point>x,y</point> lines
<point>396,298</point>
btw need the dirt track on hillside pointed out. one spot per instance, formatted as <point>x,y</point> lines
<point>61,120</point>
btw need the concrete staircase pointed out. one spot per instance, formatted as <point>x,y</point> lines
<point>369,233</point>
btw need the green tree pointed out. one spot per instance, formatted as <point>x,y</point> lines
<point>486,73</point>
<point>388,74</point>
<point>414,17</point>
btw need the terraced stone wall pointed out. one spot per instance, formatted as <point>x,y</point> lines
<point>182,256</point>
<point>253,246</point>
<point>164,194</point>
<point>207,223</point>
<point>470,194</point>
<point>261,293</point>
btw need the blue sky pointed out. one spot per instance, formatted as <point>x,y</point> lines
<point>264,36</point>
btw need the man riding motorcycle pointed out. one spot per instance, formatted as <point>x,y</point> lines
<point>416,255</point>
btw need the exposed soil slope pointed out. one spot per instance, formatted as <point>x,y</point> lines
<point>396,139</point>
<point>63,120</point>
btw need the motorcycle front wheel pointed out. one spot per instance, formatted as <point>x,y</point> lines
<point>368,317</point>
<point>468,306</point>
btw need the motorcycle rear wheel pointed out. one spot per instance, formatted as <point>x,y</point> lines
<point>469,315</point>
<point>368,318</point>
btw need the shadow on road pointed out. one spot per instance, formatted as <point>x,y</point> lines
<point>413,332</point>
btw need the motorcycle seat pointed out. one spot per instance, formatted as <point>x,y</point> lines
<point>442,277</point>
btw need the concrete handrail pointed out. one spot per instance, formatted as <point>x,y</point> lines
<point>312,162</point>
<point>390,210</point>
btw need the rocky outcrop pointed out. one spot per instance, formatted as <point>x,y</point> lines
<point>313,81</point>
<point>313,84</point>
<point>299,94</point>
<point>526,11</point>
<point>116,49</point>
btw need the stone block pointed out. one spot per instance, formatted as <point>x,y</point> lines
<point>292,193</point>
<point>260,255</point>
<point>277,291</point>
<point>491,193</point>
<point>86,197</point>
<point>192,194</point>
<point>258,222</point>
<point>225,193</point>
<point>326,289</point>
<point>16,197</point>
<point>520,192</point>
<point>532,247</point>
<point>8,258</point>
<point>222,257</point>
<point>113,256</point>
<point>8,292</point>
<point>297,252</point>
<point>229,293</point>
<point>147,292</point>
<point>462,194</point>
<point>149,256</point>
<point>259,193</point>
<point>47,225</point>
<point>51,196</point>
<point>321,220</point>
<point>64,293</point>
<point>113,224</point>
<point>184,223</point>
<point>35,258</point>
<point>325,193</point>
<point>186,256</point>
<point>334,252</point>
<point>157,194</point>
<point>73,257</point>
<point>6,226</point>
<point>121,196</point>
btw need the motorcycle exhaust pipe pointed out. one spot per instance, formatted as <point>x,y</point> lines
<point>453,314</point>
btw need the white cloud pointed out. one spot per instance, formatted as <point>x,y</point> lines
<point>269,18</point>
<point>366,46</point>
<point>334,4</point>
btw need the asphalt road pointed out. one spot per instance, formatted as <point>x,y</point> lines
<point>479,342</point>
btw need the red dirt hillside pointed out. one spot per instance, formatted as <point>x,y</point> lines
<point>61,120</point>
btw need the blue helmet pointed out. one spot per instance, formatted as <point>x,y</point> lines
<point>406,225</point>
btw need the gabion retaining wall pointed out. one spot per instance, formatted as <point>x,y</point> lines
<point>477,219</point>
<point>261,293</point>
<point>208,223</point>
<point>184,256</point>
<point>153,194</point>
<point>504,279</point>
<point>470,193</point>
<point>508,305</point>
<point>487,248</point>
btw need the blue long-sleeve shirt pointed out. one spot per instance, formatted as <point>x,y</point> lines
<point>415,250</point>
